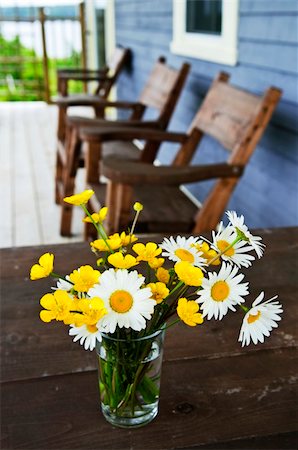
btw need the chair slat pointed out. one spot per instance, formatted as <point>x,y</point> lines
<point>226,114</point>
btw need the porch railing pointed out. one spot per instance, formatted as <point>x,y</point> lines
<point>28,72</point>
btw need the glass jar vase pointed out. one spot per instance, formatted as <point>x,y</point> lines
<point>129,372</point>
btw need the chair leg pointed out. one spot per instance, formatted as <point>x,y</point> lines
<point>66,219</point>
<point>92,161</point>
<point>68,180</point>
<point>119,201</point>
<point>58,177</point>
<point>89,232</point>
<point>112,221</point>
<point>99,112</point>
<point>61,160</point>
<point>125,195</point>
<point>62,112</point>
<point>213,208</point>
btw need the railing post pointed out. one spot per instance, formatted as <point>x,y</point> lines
<point>83,38</point>
<point>42,18</point>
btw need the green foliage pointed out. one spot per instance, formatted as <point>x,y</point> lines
<point>22,73</point>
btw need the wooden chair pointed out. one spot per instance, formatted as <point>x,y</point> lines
<point>105,78</point>
<point>161,93</point>
<point>233,117</point>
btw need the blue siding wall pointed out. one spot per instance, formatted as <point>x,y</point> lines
<point>267,194</point>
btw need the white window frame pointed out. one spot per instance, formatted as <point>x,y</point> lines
<point>216,48</point>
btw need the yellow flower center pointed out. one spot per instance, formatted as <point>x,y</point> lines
<point>92,328</point>
<point>220,291</point>
<point>222,245</point>
<point>121,301</point>
<point>252,318</point>
<point>184,255</point>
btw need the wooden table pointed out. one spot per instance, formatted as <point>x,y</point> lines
<point>214,395</point>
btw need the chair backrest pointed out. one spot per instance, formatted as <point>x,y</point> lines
<point>163,89</point>
<point>115,64</point>
<point>233,117</point>
<point>236,119</point>
<point>161,92</point>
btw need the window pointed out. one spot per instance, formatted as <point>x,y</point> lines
<point>206,29</point>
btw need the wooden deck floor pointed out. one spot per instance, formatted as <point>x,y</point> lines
<point>29,215</point>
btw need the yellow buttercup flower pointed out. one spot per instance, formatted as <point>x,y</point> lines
<point>57,306</point>
<point>122,262</point>
<point>138,206</point>
<point>100,262</point>
<point>101,245</point>
<point>146,252</point>
<point>189,274</point>
<point>162,275</point>
<point>84,278</point>
<point>188,312</point>
<point>126,239</point>
<point>155,263</point>
<point>159,291</point>
<point>79,199</point>
<point>92,311</point>
<point>114,242</point>
<point>44,268</point>
<point>208,253</point>
<point>97,217</point>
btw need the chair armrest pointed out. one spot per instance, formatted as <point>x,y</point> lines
<point>122,105</point>
<point>95,101</point>
<point>83,74</point>
<point>129,133</point>
<point>78,121</point>
<point>76,100</point>
<point>132,172</point>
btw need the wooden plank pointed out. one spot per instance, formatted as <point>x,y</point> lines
<point>27,175</point>
<point>265,7</point>
<point>6,190</point>
<point>48,211</point>
<point>27,222</point>
<point>284,147</point>
<point>269,55</point>
<point>198,399</point>
<point>213,340</point>
<point>147,6</point>
<point>279,28</point>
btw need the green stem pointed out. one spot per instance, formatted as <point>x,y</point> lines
<point>171,324</point>
<point>237,239</point>
<point>56,275</point>
<point>175,288</point>
<point>244,308</point>
<point>134,223</point>
<point>99,228</point>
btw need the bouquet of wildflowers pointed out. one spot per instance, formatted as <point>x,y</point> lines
<point>138,290</point>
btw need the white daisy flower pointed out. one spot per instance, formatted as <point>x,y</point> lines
<point>182,249</point>
<point>221,291</point>
<point>238,223</point>
<point>87,334</point>
<point>236,254</point>
<point>64,285</point>
<point>127,304</point>
<point>259,321</point>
